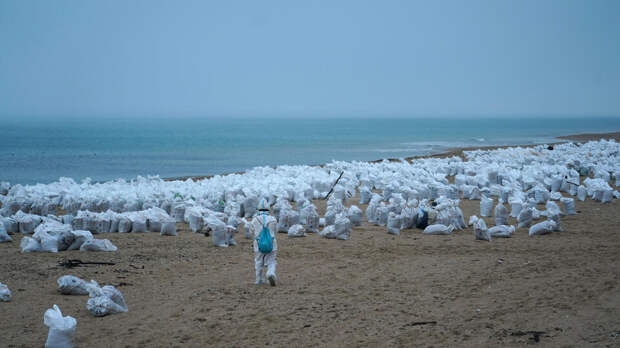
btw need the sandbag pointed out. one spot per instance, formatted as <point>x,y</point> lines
<point>393,224</point>
<point>525,218</point>
<point>79,237</point>
<point>515,208</point>
<point>230,235</point>
<point>138,224</point>
<point>365,195</point>
<point>62,329</point>
<point>124,225</point>
<point>480,230</point>
<point>438,229</point>
<point>500,214</point>
<point>296,231</point>
<point>4,236</point>
<point>29,245</point>
<point>5,293</point>
<point>355,215</point>
<point>219,235</point>
<point>342,227</point>
<point>542,228</point>
<point>196,222</point>
<point>486,206</point>
<point>104,300</point>
<point>501,231</point>
<point>72,285</point>
<point>168,227</point>
<point>98,245</point>
<point>582,192</point>
<point>328,232</point>
<point>10,225</point>
<point>569,205</point>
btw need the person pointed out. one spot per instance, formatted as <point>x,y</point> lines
<point>262,261</point>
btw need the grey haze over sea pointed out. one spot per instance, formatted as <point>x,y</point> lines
<point>42,150</point>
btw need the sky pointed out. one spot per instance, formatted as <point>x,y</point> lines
<point>130,58</point>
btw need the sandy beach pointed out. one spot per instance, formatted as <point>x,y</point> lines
<point>560,289</point>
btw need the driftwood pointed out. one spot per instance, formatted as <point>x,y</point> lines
<point>334,185</point>
<point>77,263</point>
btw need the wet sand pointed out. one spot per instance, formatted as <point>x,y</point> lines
<point>561,289</point>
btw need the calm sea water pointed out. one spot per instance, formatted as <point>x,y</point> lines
<point>34,151</point>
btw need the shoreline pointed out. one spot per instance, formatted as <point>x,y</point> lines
<point>456,151</point>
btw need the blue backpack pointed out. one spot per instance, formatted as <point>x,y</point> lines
<point>265,240</point>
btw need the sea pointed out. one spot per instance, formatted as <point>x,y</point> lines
<point>41,150</point>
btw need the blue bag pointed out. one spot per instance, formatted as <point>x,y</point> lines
<point>265,240</point>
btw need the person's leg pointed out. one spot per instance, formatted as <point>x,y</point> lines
<point>259,263</point>
<point>271,261</point>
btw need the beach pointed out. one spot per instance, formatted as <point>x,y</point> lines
<point>560,289</point>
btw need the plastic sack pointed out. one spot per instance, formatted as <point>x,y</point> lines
<point>230,235</point>
<point>138,224</point>
<point>328,232</point>
<point>4,235</point>
<point>29,245</point>
<point>220,238</point>
<point>355,215</point>
<point>515,208</point>
<point>11,225</point>
<point>525,218</point>
<point>394,223</point>
<point>438,229</point>
<point>542,228</point>
<point>98,245</point>
<point>296,231</point>
<point>501,231</point>
<point>72,285</point>
<point>79,237</point>
<point>5,293</point>
<point>582,192</point>
<point>104,300</point>
<point>486,206</point>
<point>480,230</point>
<point>124,225</point>
<point>365,195</point>
<point>62,329</point>
<point>342,227</point>
<point>500,214</point>
<point>168,227</point>
<point>569,205</point>
<point>196,222</point>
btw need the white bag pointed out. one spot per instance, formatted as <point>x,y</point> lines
<point>542,228</point>
<point>486,206</point>
<point>296,231</point>
<point>480,230</point>
<point>29,245</point>
<point>220,238</point>
<point>501,214</point>
<point>4,236</point>
<point>79,238</point>
<point>355,215</point>
<point>62,329</point>
<point>501,231</point>
<point>393,224</point>
<point>105,300</point>
<point>525,218</point>
<point>72,285</point>
<point>124,225</point>
<point>5,293</point>
<point>168,227</point>
<point>342,227</point>
<point>582,192</point>
<point>98,245</point>
<point>569,205</point>
<point>438,229</point>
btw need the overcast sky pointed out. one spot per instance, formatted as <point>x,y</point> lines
<point>309,58</point>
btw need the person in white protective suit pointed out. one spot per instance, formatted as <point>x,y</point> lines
<point>261,261</point>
